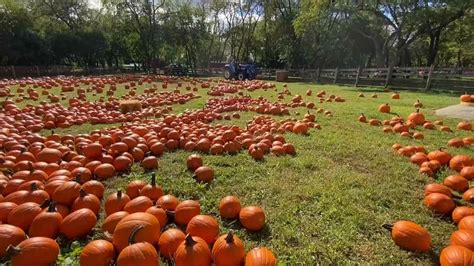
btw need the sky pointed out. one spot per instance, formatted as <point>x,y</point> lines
<point>95,3</point>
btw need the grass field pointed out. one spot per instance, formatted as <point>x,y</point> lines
<point>326,204</point>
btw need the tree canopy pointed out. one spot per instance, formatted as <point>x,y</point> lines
<point>272,33</point>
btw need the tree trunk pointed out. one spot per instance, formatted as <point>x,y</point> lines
<point>434,47</point>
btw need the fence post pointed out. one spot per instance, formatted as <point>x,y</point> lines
<point>388,79</point>
<point>302,74</point>
<point>318,74</point>
<point>13,72</point>
<point>359,72</point>
<point>336,75</point>
<point>37,71</point>
<point>430,78</point>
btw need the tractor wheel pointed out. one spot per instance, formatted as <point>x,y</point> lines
<point>227,74</point>
<point>241,76</point>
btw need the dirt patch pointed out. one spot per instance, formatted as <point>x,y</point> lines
<point>457,111</point>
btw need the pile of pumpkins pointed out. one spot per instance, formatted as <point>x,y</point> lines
<point>466,98</point>
<point>398,125</point>
<point>451,198</point>
<point>144,221</point>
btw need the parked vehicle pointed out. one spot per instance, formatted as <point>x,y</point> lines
<point>240,71</point>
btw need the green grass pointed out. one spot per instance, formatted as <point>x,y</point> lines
<point>327,204</point>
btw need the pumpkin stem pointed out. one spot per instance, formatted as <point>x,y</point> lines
<point>417,110</point>
<point>34,186</point>
<point>119,194</point>
<point>52,132</point>
<point>131,239</point>
<point>12,251</point>
<point>83,193</point>
<point>153,179</point>
<point>45,204</point>
<point>31,168</point>
<point>78,178</point>
<point>388,227</point>
<point>229,238</point>
<point>189,241</point>
<point>52,206</point>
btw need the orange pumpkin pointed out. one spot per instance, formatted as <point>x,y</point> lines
<point>252,218</point>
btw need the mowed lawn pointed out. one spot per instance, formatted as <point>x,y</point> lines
<point>328,203</point>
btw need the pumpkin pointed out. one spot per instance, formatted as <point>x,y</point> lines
<point>133,188</point>
<point>229,207</point>
<point>138,204</point>
<point>456,142</point>
<point>465,97</point>
<point>456,183</point>
<point>456,255</point>
<point>78,224</point>
<point>23,215</point>
<point>439,203</point>
<point>185,211</point>
<point>228,250</point>
<point>468,195</point>
<point>193,251</point>
<point>141,253</point>
<point>252,218</point>
<point>5,209</point>
<point>466,223</point>
<point>169,242</point>
<point>97,252</point>
<point>458,162</point>
<point>437,188</point>
<point>34,251</point>
<point>160,214</point>
<point>86,200</point>
<point>464,125</point>
<point>67,192</point>
<point>49,155</point>
<point>441,156</point>
<point>150,232</point>
<point>417,117</point>
<point>104,171</point>
<point>112,220</point>
<point>384,108</point>
<point>260,256</point>
<point>418,158</point>
<point>194,161</point>
<point>152,191</point>
<point>94,187</point>
<point>47,223</point>
<point>10,235</point>
<point>463,238</point>
<point>410,236</point>
<point>467,172</point>
<point>115,202</point>
<point>205,227</point>
<point>426,171</point>
<point>300,128</point>
<point>167,202</point>
<point>461,212</point>
<point>150,163</point>
<point>204,174</point>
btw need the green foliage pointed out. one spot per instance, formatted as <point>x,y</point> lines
<point>275,34</point>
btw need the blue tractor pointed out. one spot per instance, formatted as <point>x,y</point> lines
<point>240,71</point>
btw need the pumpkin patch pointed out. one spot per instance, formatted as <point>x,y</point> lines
<point>190,170</point>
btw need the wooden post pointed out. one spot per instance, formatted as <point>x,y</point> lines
<point>359,72</point>
<point>13,72</point>
<point>430,78</point>
<point>37,71</point>
<point>388,79</point>
<point>336,75</point>
<point>318,74</point>
<point>302,74</point>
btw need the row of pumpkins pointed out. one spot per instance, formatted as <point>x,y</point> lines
<point>134,223</point>
<point>398,125</point>
<point>442,199</point>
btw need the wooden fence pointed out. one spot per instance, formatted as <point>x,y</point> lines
<point>425,78</point>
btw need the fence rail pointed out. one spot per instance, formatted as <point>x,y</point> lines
<point>459,79</point>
